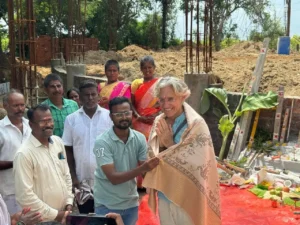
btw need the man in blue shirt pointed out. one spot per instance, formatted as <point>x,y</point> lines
<point>121,155</point>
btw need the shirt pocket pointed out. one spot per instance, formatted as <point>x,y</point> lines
<point>61,166</point>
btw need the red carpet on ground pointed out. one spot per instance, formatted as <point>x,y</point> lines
<point>238,207</point>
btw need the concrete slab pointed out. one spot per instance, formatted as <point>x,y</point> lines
<point>197,83</point>
<point>74,70</point>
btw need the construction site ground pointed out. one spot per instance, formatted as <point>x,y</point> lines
<point>234,65</point>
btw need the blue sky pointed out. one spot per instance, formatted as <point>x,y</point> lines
<point>245,25</point>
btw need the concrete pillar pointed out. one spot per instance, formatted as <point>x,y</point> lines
<point>197,83</point>
<point>72,70</point>
<point>55,63</point>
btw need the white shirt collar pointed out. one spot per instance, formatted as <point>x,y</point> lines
<point>81,110</point>
<point>7,121</point>
<point>36,143</point>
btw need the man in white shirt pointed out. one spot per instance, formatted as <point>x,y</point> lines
<point>42,177</point>
<point>80,131</point>
<point>14,130</point>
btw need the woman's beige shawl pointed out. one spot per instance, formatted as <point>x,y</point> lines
<point>187,173</point>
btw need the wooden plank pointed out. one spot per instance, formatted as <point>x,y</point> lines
<point>251,140</point>
<point>219,165</point>
<point>277,123</point>
<point>234,140</point>
<point>245,126</point>
<point>252,157</point>
<point>291,115</point>
<point>252,88</point>
<point>284,125</point>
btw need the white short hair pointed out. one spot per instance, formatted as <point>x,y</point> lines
<point>179,86</point>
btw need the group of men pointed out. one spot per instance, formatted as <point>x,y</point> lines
<point>61,150</point>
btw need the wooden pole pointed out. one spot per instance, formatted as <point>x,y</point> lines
<point>277,123</point>
<point>289,7</point>
<point>252,88</point>
<point>290,122</point>
<point>284,125</point>
<point>251,140</point>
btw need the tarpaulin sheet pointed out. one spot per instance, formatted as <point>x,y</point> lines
<point>241,207</point>
<point>238,207</point>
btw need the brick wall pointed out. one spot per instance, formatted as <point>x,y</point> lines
<point>44,48</point>
<point>266,119</point>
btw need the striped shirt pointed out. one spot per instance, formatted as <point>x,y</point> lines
<point>59,115</point>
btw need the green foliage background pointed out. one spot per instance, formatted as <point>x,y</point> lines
<point>152,23</point>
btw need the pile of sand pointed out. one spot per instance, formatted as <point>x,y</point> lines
<point>241,48</point>
<point>133,52</point>
<point>234,65</point>
<point>43,71</point>
<point>100,57</point>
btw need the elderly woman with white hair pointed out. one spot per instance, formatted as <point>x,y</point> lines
<point>186,180</point>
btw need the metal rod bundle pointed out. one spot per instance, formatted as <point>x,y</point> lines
<point>197,10</point>
<point>22,44</point>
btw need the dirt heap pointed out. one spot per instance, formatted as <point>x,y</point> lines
<point>234,65</point>
<point>134,52</point>
<point>100,57</point>
<point>242,48</point>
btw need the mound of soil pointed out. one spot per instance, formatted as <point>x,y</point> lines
<point>133,52</point>
<point>234,65</point>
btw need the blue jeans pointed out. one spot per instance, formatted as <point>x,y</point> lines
<point>129,216</point>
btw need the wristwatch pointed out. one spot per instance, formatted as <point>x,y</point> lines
<point>20,222</point>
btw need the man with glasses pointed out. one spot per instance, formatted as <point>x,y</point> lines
<point>42,178</point>
<point>121,155</point>
<point>14,130</point>
<point>80,131</point>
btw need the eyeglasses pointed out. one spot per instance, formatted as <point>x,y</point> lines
<point>121,114</point>
<point>164,100</point>
<point>45,122</point>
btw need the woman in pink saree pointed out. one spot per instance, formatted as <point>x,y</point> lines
<point>113,87</point>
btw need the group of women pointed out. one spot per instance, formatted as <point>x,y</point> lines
<point>140,91</point>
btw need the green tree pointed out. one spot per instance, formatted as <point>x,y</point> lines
<point>222,13</point>
<point>168,9</point>
<point>223,10</point>
<point>110,20</point>
<point>271,27</point>
<point>295,40</point>
<point>3,30</point>
<point>3,10</point>
<point>3,39</point>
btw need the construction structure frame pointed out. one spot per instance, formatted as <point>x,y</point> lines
<point>22,45</point>
<point>198,41</point>
<point>57,44</point>
<point>76,30</point>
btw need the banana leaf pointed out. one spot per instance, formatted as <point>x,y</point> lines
<point>205,103</point>
<point>219,93</point>
<point>225,125</point>
<point>257,101</point>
